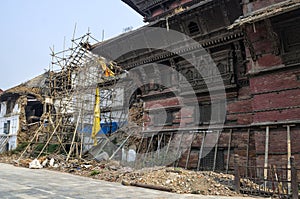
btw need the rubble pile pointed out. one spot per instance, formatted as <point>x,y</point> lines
<point>176,180</point>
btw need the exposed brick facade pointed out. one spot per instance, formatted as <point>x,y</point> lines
<point>262,85</point>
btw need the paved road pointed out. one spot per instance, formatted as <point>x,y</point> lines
<point>22,183</point>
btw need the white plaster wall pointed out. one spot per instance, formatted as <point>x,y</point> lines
<point>14,124</point>
<point>3,109</point>
<point>16,109</point>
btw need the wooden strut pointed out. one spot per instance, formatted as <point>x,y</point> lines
<point>139,149</point>
<point>289,155</point>
<point>228,150</point>
<point>247,161</point>
<point>167,150</point>
<point>266,156</point>
<point>54,131</point>
<point>148,148</point>
<point>178,154</point>
<point>59,139</point>
<point>35,135</point>
<point>118,149</point>
<point>189,152</point>
<point>158,148</point>
<point>73,139</point>
<point>201,151</point>
<point>216,151</point>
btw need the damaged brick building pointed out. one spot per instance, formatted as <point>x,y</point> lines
<point>256,47</point>
<point>21,108</point>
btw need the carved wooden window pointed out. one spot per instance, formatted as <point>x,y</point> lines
<point>202,115</point>
<point>189,75</point>
<point>205,111</point>
<point>291,39</point>
<point>222,68</point>
<point>286,36</point>
<point>163,119</point>
<point>193,27</point>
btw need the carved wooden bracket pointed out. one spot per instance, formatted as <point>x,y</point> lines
<point>249,45</point>
<point>273,37</point>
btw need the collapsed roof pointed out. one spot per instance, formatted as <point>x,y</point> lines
<point>34,87</point>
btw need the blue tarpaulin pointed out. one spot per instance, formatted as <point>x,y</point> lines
<point>106,128</point>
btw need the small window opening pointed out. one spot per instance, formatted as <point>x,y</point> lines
<point>193,27</point>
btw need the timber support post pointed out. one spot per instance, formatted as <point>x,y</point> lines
<point>236,174</point>
<point>294,179</point>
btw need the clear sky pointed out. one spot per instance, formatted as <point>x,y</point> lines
<point>30,27</point>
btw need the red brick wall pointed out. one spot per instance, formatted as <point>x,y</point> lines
<point>274,81</point>
<point>272,99</point>
<point>162,102</point>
